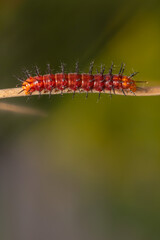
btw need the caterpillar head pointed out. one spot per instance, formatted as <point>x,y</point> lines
<point>28,85</point>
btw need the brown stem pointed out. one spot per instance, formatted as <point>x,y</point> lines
<point>146,91</point>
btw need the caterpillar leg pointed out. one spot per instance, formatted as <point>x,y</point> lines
<point>113,90</point>
<point>73,95</point>
<point>110,94</point>
<point>123,92</point>
<point>86,94</point>
<point>132,92</point>
<point>99,95</point>
<point>39,95</point>
<point>50,93</point>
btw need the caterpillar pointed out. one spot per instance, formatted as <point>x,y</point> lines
<point>79,81</point>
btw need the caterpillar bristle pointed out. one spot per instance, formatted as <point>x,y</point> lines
<point>133,74</point>
<point>76,81</point>
<point>37,70</point>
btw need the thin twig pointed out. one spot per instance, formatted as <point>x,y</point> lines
<point>146,91</point>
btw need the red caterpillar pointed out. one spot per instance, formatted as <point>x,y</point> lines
<point>76,81</point>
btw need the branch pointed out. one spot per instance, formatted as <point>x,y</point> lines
<point>146,91</point>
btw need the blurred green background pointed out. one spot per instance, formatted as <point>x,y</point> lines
<point>90,170</point>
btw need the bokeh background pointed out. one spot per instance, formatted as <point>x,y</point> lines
<point>90,170</point>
